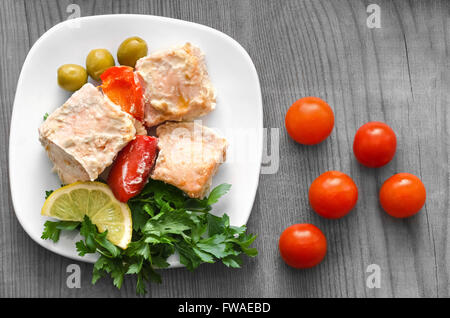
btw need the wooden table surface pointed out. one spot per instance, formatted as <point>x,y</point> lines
<point>399,74</point>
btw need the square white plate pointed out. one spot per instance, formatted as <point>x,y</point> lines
<point>238,114</point>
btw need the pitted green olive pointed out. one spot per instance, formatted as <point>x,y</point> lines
<point>97,62</point>
<point>131,50</point>
<point>71,77</point>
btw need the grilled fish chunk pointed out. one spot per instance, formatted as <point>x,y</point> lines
<point>83,136</point>
<point>177,85</point>
<point>189,156</point>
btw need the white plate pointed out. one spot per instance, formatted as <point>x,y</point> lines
<point>238,115</point>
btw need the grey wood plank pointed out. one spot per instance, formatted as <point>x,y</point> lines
<point>399,74</point>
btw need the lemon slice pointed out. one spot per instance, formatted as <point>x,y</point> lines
<point>96,200</point>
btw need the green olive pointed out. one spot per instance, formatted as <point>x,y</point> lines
<point>71,77</point>
<point>131,50</point>
<point>97,62</point>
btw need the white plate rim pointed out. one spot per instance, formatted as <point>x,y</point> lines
<point>53,29</point>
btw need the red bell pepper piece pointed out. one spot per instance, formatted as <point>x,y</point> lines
<point>131,169</point>
<point>123,88</point>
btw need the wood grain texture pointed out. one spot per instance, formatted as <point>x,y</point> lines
<point>399,74</point>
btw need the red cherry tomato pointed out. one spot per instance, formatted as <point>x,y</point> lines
<point>131,169</point>
<point>374,144</point>
<point>123,88</point>
<point>302,245</point>
<point>402,195</point>
<point>333,194</point>
<point>309,120</point>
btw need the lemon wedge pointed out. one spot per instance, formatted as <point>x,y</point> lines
<point>96,200</point>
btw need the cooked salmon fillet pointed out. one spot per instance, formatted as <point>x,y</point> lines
<point>177,85</point>
<point>83,136</point>
<point>140,128</point>
<point>138,125</point>
<point>189,155</point>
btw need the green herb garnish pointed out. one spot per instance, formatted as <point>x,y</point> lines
<point>165,221</point>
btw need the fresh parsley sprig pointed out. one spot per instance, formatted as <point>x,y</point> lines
<point>165,221</point>
<point>52,230</point>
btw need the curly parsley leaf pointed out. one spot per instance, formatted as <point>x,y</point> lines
<point>52,230</point>
<point>233,261</point>
<point>95,241</point>
<point>218,192</point>
<point>175,222</point>
<point>112,266</point>
<point>47,193</point>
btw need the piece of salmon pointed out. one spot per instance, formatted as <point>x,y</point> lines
<point>176,84</point>
<point>83,136</point>
<point>189,156</point>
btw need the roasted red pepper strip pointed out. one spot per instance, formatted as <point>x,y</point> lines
<point>131,169</point>
<point>123,88</point>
